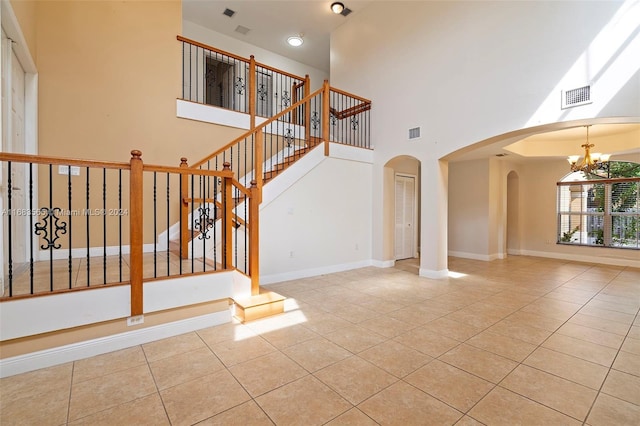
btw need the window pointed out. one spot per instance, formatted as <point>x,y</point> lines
<point>601,209</point>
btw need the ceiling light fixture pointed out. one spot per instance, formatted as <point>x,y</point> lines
<point>295,41</point>
<point>337,7</point>
<point>590,162</point>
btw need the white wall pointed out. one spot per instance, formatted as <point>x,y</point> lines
<point>240,48</point>
<point>320,224</point>
<point>469,209</point>
<point>469,71</point>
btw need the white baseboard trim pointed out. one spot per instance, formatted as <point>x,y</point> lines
<point>474,256</point>
<point>305,273</point>
<point>435,275</point>
<point>383,263</point>
<point>60,355</point>
<point>614,261</point>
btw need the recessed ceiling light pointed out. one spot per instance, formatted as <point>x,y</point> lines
<point>337,7</point>
<point>295,41</point>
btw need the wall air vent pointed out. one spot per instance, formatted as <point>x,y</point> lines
<point>576,97</point>
<point>414,133</point>
<point>228,12</point>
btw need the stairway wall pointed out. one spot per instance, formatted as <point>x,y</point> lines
<point>320,224</point>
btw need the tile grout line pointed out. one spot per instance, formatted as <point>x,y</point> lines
<point>609,371</point>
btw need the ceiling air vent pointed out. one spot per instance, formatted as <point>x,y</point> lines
<point>345,11</point>
<point>242,30</point>
<point>576,97</point>
<point>228,12</point>
<point>414,133</point>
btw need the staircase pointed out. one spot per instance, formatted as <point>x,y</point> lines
<point>290,159</point>
<point>304,121</point>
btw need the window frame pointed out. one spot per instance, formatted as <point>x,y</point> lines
<point>583,220</point>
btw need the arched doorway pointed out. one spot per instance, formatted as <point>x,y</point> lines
<point>402,211</point>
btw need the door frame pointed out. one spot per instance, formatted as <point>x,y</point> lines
<point>414,246</point>
<point>17,43</point>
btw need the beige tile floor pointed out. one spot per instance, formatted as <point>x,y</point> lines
<point>521,341</point>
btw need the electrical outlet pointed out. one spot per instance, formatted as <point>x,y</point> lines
<point>137,320</point>
<point>66,170</point>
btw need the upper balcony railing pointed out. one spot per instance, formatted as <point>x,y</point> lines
<point>214,77</point>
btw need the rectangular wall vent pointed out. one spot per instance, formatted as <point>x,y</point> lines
<point>242,30</point>
<point>414,133</point>
<point>576,97</point>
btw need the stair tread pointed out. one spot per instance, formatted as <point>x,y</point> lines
<point>260,299</point>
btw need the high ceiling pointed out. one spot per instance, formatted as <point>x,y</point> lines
<point>270,23</point>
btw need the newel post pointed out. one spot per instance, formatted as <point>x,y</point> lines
<point>135,231</point>
<point>252,92</point>
<point>326,134</point>
<point>254,239</point>
<point>184,212</point>
<point>227,214</point>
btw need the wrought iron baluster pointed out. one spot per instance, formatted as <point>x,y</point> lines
<point>70,255</point>
<point>205,229</point>
<point>31,213</point>
<point>182,197</point>
<point>183,96</point>
<point>191,223</point>
<point>197,75</point>
<point>155,228</point>
<point>215,217</point>
<point>251,153</point>
<point>120,222</point>
<point>88,214</point>
<point>235,228</point>
<point>9,226</point>
<point>104,225</point>
<point>51,225</point>
<point>168,223</point>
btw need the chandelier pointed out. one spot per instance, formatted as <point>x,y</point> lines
<point>591,161</point>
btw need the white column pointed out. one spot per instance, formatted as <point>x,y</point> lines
<point>433,217</point>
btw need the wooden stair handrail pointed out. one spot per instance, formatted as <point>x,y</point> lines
<point>239,58</point>
<point>351,95</point>
<point>295,77</point>
<point>348,112</point>
<point>213,49</point>
<point>261,126</point>
<point>41,159</point>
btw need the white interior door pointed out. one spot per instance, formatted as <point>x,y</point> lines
<point>405,208</point>
<point>14,229</point>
